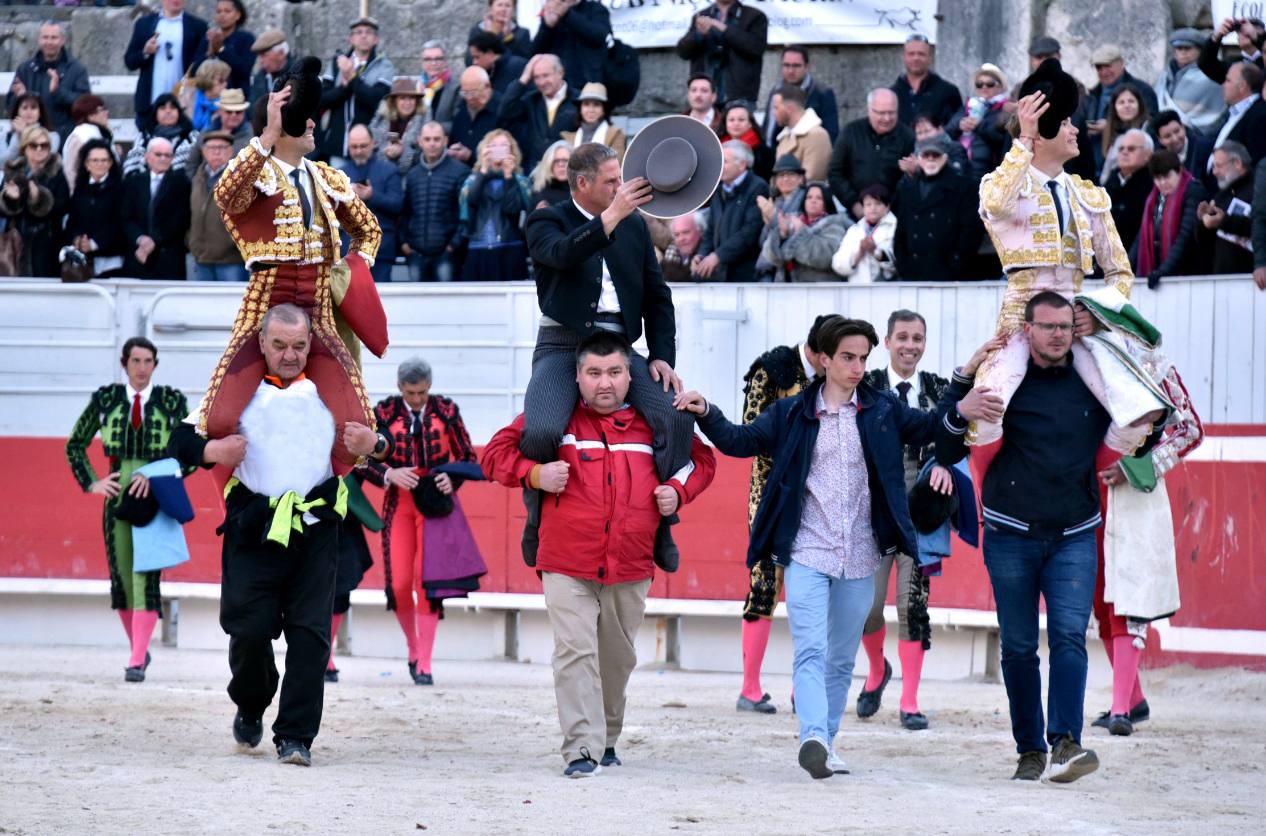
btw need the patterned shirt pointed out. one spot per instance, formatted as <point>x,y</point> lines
<point>835,536</point>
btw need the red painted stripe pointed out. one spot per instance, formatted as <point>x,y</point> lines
<point>1234,429</point>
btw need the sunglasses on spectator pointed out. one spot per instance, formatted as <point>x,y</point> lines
<point>40,145</point>
<point>920,38</point>
<point>987,82</point>
<point>1131,148</point>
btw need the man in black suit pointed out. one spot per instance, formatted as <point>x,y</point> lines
<point>728,252</point>
<point>1245,120</point>
<point>596,269</point>
<point>538,114</point>
<point>576,31</point>
<point>488,51</point>
<point>156,216</point>
<point>163,46</point>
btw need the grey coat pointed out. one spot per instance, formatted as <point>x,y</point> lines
<point>811,248</point>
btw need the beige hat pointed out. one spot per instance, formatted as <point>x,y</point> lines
<point>593,92</point>
<point>268,39</point>
<point>233,99</point>
<point>1106,54</point>
<point>210,135</point>
<point>994,71</point>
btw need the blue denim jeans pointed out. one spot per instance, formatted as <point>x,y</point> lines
<point>1061,571</point>
<point>826,616</point>
<point>220,272</point>
<point>431,268</point>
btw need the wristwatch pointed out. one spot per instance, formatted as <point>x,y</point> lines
<point>381,446</point>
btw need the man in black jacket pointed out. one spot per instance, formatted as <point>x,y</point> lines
<point>488,52</point>
<point>163,46</point>
<point>821,99</point>
<point>429,223</point>
<point>538,107</point>
<point>919,90</point>
<point>54,76</point>
<point>1040,502</point>
<point>475,116</point>
<point>1129,184</point>
<point>726,42</point>
<point>729,251</point>
<point>355,82</point>
<point>156,213</point>
<point>938,225</point>
<point>1226,225</point>
<point>1245,120</point>
<point>595,268</point>
<point>1259,226</point>
<point>869,151</point>
<point>1191,146</point>
<point>576,31</point>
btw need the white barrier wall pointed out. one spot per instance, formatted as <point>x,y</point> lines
<point>59,342</point>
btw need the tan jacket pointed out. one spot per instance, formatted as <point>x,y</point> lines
<point>613,139</point>
<point>809,143</point>
<point>209,242</point>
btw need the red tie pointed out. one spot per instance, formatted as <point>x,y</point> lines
<point>136,411</point>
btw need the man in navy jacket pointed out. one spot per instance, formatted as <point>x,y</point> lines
<point>834,503</point>
<point>163,47</point>
<point>376,182</point>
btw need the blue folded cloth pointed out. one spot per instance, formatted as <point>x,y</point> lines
<point>161,544</point>
<point>935,546</point>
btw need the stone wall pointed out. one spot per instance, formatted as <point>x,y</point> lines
<point>971,31</point>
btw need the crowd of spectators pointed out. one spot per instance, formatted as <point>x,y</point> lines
<point>452,161</point>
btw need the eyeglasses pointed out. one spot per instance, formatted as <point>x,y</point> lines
<point>1130,148</point>
<point>42,146</point>
<point>160,154</point>
<point>1053,327</point>
<point>434,59</point>
<point>988,82</point>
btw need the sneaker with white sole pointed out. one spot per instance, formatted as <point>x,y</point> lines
<point>1069,761</point>
<point>815,756</point>
<point>1030,767</point>
<point>836,764</point>
<point>582,767</point>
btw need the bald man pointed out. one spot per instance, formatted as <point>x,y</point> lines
<point>869,150</point>
<point>156,214</point>
<point>377,183</point>
<point>475,116</point>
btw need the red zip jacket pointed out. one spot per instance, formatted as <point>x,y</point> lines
<point>602,526</point>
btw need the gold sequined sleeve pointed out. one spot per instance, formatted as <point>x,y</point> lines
<point>355,217</point>
<point>760,394</point>
<point>1000,188</point>
<point>1110,253</point>
<point>235,189</point>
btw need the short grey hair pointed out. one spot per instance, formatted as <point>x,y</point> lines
<point>413,371</point>
<point>154,141</point>
<point>434,43</point>
<point>61,30</point>
<point>287,313</point>
<point>741,150</point>
<point>553,59</point>
<point>283,48</point>
<point>876,93</point>
<point>1143,135</point>
<point>700,219</point>
<point>1236,150</point>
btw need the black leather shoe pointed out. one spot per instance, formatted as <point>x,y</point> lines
<point>532,525</point>
<point>148,659</point>
<point>423,679</point>
<point>1120,725</point>
<point>331,674</point>
<point>292,751</point>
<point>136,674</point>
<point>868,701</point>
<point>914,722</point>
<point>248,731</point>
<point>1137,715</point>
<point>666,555</point>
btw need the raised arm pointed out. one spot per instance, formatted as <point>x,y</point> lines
<point>1000,188</point>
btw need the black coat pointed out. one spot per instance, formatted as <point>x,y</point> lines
<point>39,221</point>
<point>1229,257</point>
<point>429,221</point>
<point>1250,131</point>
<point>731,59</point>
<point>469,131</point>
<point>1183,259</point>
<point>94,211</point>
<point>938,229</point>
<point>195,33</point>
<point>262,83</point>
<point>524,114</point>
<point>353,103</point>
<point>166,221</point>
<point>989,142</point>
<point>72,82</point>
<point>1128,199</point>
<point>1199,147</point>
<point>520,43</point>
<point>236,52</point>
<point>734,225</point>
<point>507,70</point>
<point>580,42</point>
<point>567,253</point>
<point>863,158</point>
<point>936,96</point>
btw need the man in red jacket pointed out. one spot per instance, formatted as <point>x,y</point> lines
<point>596,540</point>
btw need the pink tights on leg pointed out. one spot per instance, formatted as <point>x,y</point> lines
<point>755,641</point>
<point>874,645</point>
<point>911,670</point>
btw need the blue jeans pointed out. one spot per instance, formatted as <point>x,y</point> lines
<point>220,272</point>
<point>437,267</point>
<point>826,615</point>
<point>1062,571</point>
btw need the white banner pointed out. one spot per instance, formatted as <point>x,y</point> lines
<point>1222,9</point>
<point>661,23</point>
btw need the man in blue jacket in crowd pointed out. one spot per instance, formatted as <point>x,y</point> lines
<point>835,502</point>
<point>429,226</point>
<point>377,183</point>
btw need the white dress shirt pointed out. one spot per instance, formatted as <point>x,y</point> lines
<point>608,301</point>
<point>132,393</point>
<point>1234,114</point>
<point>171,42</point>
<point>894,377</point>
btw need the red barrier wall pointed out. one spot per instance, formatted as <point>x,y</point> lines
<point>51,529</point>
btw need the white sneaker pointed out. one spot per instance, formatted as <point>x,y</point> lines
<point>836,764</point>
<point>814,756</point>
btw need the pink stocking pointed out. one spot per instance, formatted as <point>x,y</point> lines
<point>428,621</point>
<point>404,615</point>
<point>755,641</point>
<point>143,622</point>
<point>334,624</point>
<point>911,669</point>
<point>126,617</point>
<point>874,644</point>
<point>1125,672</point>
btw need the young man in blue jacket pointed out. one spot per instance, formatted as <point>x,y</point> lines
<point>834,504</point>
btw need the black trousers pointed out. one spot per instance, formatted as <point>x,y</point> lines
<point>267,591</point>
<point>552,395</point>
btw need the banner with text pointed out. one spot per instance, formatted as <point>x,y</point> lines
<point>1236,9</point>
<point>661,23</point>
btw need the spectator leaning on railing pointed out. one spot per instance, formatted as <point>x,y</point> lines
<point>734,221</point>
<point>156,216</point>
<point>377,183</point>
<point>94,225</point>
<point>1226,219</point>
<point>1165,245</point>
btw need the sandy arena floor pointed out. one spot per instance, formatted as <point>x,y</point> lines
<point>83,752</point>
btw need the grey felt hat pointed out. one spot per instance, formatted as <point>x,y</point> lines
<point>681,157</point>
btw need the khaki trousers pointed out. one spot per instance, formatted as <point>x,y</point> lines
<point>594,629</point>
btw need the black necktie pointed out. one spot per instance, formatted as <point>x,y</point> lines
<point>1053,187</point>
<point>417,424</point>
<point>903,389</point>
<point>303,199</point>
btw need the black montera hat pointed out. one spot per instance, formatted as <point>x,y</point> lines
<point>305,95</point>
<point>1061,92</point>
